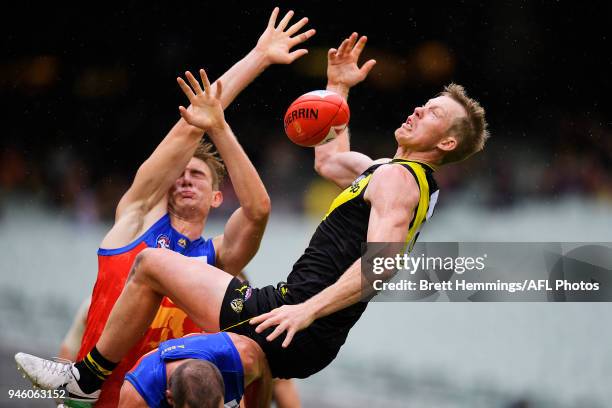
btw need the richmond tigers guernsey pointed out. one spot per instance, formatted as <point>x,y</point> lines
<point>336,245</point>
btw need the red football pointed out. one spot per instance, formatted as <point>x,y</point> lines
<point>316,118</point>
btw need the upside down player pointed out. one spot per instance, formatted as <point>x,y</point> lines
<point>199,370</point>
<point>170,198</point>
<point>384,201</point>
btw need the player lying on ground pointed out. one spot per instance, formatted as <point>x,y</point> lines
<point>384,201</point>
<point>199,370</point>
<point>172,194</point>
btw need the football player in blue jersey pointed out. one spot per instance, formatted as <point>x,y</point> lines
<point>200,370</point>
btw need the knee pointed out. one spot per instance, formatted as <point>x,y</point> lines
<point>140,267</point>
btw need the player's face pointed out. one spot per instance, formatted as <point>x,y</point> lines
<point>429,124</point>
<point>193,191</point>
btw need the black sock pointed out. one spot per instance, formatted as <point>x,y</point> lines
<point>94,369</point>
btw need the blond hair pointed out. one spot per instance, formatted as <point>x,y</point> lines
<point>471,130</point>
<point>207,153</point>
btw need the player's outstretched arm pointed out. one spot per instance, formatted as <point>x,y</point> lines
<point>160,170</point>
<point>334,160</point>
<point>393,195</point>
<point>274,46</point>
<point>244,230</point>
<point>205,111</point>
<point>165,165</point>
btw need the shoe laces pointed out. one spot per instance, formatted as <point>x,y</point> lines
<point>58,366</point>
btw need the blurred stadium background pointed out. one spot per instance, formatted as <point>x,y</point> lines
<point>88,93</point>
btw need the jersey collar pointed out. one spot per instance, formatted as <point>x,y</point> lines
<point>428,165</point>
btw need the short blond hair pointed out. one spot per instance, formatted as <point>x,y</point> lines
<point>471,130</point>
<point>208,154</point>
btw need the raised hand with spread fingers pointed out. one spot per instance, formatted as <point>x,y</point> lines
<point>277,40</point>
<point>342,69</point>
<point>205,111</point>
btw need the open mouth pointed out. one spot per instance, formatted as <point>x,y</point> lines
<point>408,124</point>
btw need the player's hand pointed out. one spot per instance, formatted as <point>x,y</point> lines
<point>205,111</point>
<point>275,43</point>
<point>342,68</point>
<point>287,318</point>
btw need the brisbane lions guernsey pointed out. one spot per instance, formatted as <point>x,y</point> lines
<point>170,322</point>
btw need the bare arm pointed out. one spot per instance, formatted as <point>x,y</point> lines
<point>393,195</point>
<point>257,376</point>
<point>273,47</point>
<point>245,228</point>
<point>172,155</point>
<point>150,185</point>
<point>259,392</point>
<point>130,398</point>
<point>285,394</point>
<point>334,160</point>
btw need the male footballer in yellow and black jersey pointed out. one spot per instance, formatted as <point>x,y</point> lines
<point>334,247</point>
<point>423,174</point>
<point>383,201</point>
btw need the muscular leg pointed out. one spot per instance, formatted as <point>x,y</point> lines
<point>195,287</point>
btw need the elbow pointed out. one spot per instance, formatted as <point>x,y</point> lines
<point>265,207</point>
<point>320,164</point>
<point>318,167</point>
<point>260,210</point>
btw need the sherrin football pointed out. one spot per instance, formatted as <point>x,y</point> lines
<point>316,118</point>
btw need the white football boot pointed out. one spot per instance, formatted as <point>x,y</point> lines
<point>54,375</point>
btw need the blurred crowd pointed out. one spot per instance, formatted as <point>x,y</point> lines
<point>87,105</point>
<point>575,160</point>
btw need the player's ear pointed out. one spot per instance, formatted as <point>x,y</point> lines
<point>169,397</point>
<point>447,144</point>
<point>217,199</point>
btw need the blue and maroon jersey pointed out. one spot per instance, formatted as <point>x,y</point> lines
<point>170,322</point>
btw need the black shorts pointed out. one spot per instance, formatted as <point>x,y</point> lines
<point>306,354</point>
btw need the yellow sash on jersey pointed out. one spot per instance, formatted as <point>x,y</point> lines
<point>349,193</point>
<point>359,184</point>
